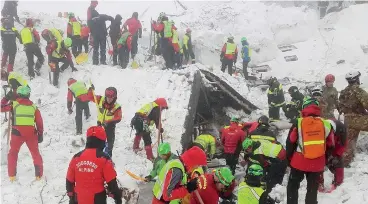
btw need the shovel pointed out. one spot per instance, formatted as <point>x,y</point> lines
<point>81,58</point>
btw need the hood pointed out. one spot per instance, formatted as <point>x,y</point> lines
<point>118,18</point>
<point>311,110</point>
<point>193,157</point>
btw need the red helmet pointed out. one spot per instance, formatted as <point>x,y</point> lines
<point>98,132</point>
<point>71,81</point>
<point>161,102</point>
<point>329,78</point>
<point>4,75</point>
<point>111,92</point>
<point>29,22</point>
<point>188,30</point>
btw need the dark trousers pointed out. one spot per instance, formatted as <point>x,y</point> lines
<point>4,60</point>
<point>167,53</point>
<point>79,108</point>
<point>297,176</point>
<point>85,44</point>
<point>99,45</point>
<point>245,69</point>
<point>124,56</point>
<point>274,113</point>
<point>138,124</point>
<point>275,174</point>
<point>76,45</point>
<point>227,63</point>
<point>32,50</point>
<point>110,133</point>
<point>57,70</point>
<point>231,161</point>
<point>134,50</point>
<point>178,59</point>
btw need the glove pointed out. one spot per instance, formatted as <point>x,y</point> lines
<point>161,130</point>
<point>192,185</point>
<point>70,111</point>
<point>148,178</point>
<point>92,87</point>
<point>40,137</point>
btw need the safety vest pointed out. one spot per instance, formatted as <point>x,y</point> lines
<point>56,33</point>
<point>185,41</point>
<point>146,109</point>
<point>268,149</point>
<point>205,141</point>
<point>18,78</point>
<point>230,48</point>
<point>248,195</point>
<point>27,36</point>
<point>76,28</point>
<point>105,114</point>
<point>12,29</point>
<point>24,115</point>
<point>167,29</point>
<point>78,88</point>
<point>312,134</point>
<point>123,38</point>
<point>159,184</point>
<point>56,52</point>
<point>262,137</point>
<point>175,37</point>
<point>249,51</point>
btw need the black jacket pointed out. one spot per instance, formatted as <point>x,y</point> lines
<point>115,29</point>
<point>275,94</point>
<point>10,9</point>
<point>8,37</point>
<point>98,24</point>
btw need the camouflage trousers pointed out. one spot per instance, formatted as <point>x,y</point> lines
<point>354,125</point>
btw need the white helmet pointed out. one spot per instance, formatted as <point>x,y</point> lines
<point>316,91</point>
<point>352,76</point>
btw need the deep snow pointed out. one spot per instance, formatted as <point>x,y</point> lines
<point>266,26</point>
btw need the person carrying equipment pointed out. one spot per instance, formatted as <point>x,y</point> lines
<point>8,36</point>
<point>306,147</point>
<point>276,98</point>
<point>188,47</point>
<point>81,93</point>
<point>229,55</point>
<point>245,53</point>
<point>89,170</point>
<point>165,155</point>
<point>109,114</point>
<point>148,114</point>
<point>27,127</point>
<point>251,189</point>
<point>124,46</point>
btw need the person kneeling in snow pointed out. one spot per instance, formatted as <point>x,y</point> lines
<point>124,47</point>
<point>89,170</point>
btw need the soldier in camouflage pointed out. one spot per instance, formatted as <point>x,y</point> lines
<point>316,93</point>
<point>330,96</point>
<point>353,102</point>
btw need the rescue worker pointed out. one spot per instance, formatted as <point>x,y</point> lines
<point>157,46</point>
<point>178,51</point>
<point>10,11</point>
<point>245,53</point>
<point>124,46</point>
<point>79,91</point>
<point>114,37</point>
<point>207,143</point>
<point>27,127</point>
<point>88,171</point>
<point>8,36</point>
<point>165,155</point>
<point>213,186</point>
<point>316,93</point>
<point>172,183</point>
<point>31,39</point>
<point>135,28</point>
<point>165,29</point>
<point>263,131</point>
<point>74,29</point>
<point>293,108</point>
<point>148,114</point>
<point>188,47</point>
<point>58,51</point>
<point>251,189</point>
<point>335,162</point>
<point>14,80</point>
<point>52,34</point>
<point>271,156</point>
<point>353,102</point>
<point>109,115</point>
<point>276,98</point>
<point>91,11</point>
<point>330,95</point>
<point>231,138</point>
<point>229,55</point>
<point>84,37</point>
<point>306,146</point>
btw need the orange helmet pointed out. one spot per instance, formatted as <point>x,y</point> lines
<point>98,132</point>
<point>161,102</point>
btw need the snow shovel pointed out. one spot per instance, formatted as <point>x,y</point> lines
<point>81,58</point>
<point>135,65</point>
<point>134,176</point>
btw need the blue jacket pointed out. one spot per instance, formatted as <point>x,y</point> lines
<point>245,52</point>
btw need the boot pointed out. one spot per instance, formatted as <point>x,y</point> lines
<point>338,176</point>
<point>137,140</point>
<point>149,153</point>
<point>10,68</point>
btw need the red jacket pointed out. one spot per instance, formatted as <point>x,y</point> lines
<point>210,194</point>
<point>23,130</point>
<point>87,172</point>
<point>231,137</point>
<point>85,32</point>
<point>250,126</point>
<point>297,159</point>
<point>51,47</point>
<point>117,114</point>
<point>133,25</point>
<point>128,43</point>
<point>340,138</point>
<point>160,27</point>
<point>229,56</point>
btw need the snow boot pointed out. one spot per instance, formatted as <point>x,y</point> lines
<point>338,176</point>
<point>137,140</point>
<point>149,153</point>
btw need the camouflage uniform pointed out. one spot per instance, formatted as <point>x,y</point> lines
<point>330,97</point>
<point>353,102</point>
